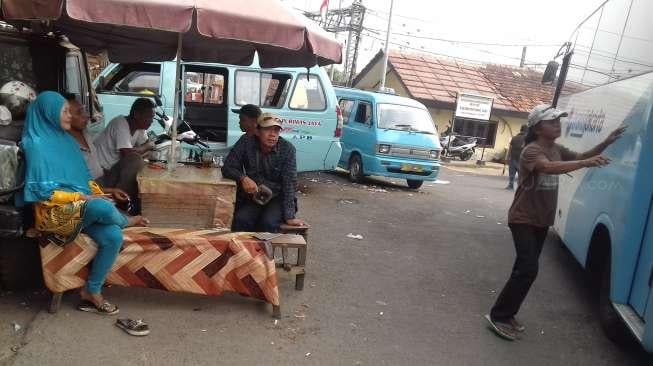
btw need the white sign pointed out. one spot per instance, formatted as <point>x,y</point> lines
<point>474,106</point>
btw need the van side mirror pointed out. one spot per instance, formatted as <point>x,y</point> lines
<point>157,100</point>
<point>550,72</point>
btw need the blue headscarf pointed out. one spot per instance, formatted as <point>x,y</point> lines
<point>53,158</point>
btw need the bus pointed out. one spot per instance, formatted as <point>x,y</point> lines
<point>605,215</point>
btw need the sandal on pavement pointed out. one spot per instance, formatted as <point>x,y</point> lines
<point>517,325</point>
<point>135,327</point>
<point>503,330</point>
<point>106,308</point>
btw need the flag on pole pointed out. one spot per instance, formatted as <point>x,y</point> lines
<point>323,9</point>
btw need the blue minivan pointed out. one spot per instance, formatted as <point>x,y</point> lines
<point>303,98</point>
<point>387,135</point>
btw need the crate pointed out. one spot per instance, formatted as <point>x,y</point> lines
<point>189,197</point>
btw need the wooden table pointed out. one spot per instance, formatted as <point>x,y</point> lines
<point>188,197</point>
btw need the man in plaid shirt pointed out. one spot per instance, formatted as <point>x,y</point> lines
<point>262,161</point>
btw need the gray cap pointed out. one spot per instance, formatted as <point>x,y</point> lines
<point>544,112</point>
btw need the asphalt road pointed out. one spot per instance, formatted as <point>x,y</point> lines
<point>413,291</point>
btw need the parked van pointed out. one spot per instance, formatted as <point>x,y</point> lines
<point>387,135</point>
<point>303,98</point>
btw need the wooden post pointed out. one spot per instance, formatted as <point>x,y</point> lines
<point>55,302</point>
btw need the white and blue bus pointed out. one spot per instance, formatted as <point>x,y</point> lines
<point>605,216</point>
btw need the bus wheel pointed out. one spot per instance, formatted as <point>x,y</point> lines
<point>613,326</point>
<point>355,168</point>
<point>414,184</point>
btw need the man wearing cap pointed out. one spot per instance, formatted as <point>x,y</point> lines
<point>514,153</point>
<point>247,117</point>
<point>534,207</point>
<point>264,166</point>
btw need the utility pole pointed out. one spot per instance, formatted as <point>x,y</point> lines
<point>348,20</point>
<point>523,57</point>
<point>333,68</point>
<point>385,52</point>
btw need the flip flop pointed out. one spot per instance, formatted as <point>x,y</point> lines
<point>505,331</point>
<point>135,327</point>
<point>106,308</point>
<point>517,325</point>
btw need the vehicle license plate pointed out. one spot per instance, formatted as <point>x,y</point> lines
<point>411,168</point>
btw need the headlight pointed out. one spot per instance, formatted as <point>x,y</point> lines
<point>384,149</point>
<point>435,154</point>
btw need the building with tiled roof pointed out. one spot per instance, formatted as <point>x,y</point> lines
<point>436,82</point>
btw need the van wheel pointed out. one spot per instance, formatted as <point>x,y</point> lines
<point>414,184</point>
<point>613,326</point>
<point>356,169</point>
<point>20,264</point>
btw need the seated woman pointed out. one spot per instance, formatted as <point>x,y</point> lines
<point>66,200</point>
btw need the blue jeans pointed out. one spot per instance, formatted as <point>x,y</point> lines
<point>103,223</point>
<point>250,216</point>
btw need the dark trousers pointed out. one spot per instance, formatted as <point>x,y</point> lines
<point>528,245</point>
<point>513,167</point>
<point>250,216</point>
<point>123,175</point>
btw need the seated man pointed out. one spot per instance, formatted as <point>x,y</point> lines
<point>122,145</point>
<point>247,118</point>
<point>78,124</point>
<point>259,163</point>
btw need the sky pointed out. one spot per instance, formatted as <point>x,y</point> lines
<point>541,25</point>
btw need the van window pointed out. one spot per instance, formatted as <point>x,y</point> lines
<point>405,118</point>
<point>204,87</point>
<point>308,94</point>
<point>346,106</point>
<point>265,89</point>
<point>133,79</point>
<point>364,113</point>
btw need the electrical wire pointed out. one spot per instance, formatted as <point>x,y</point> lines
<point>478,43</point>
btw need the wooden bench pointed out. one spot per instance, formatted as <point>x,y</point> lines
<point>176,260</point>
<point>295,237</point>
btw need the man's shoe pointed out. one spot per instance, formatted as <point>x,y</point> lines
<point>510,187</point>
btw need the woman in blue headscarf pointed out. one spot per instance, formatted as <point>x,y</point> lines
<point>66,199</point>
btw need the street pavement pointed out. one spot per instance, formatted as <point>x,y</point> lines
<point>412,291</point>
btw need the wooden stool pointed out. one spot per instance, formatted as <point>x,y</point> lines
<point>286,241</point>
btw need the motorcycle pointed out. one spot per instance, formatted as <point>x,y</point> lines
<point>461,147</point>
<point>163,141</point>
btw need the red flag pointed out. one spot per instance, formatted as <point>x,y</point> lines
<point>324,7</point>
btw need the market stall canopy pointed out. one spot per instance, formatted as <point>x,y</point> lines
<point>225,31</point>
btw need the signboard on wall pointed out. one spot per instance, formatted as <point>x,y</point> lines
<point>474,106</point>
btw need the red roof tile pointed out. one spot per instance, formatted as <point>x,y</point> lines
<point>514,89</point>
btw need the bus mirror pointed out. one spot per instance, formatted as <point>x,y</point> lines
<point>100,84</point>
<point>550,72</point>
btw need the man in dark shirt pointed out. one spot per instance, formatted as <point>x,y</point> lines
<point>516,147</point>
<point>247,118</point>
<point>261,161</point>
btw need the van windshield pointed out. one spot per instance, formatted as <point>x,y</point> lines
<point>405,118</point>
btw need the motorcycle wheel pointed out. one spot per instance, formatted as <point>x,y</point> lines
<point>466,155</point>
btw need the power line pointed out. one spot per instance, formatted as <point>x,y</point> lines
<point>425,51</point>
<point>372,11</point>
<point>478,50</point>
<point>477,43</point>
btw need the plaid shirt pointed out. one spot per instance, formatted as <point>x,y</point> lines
<point>277,170</point>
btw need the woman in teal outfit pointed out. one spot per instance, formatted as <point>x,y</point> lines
<point>66,199</point>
